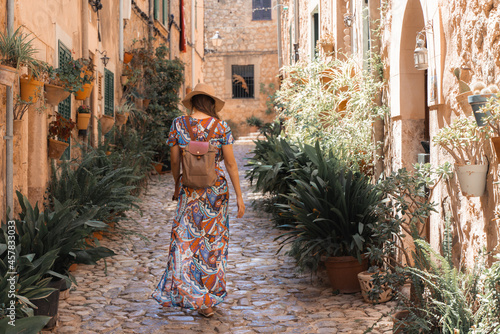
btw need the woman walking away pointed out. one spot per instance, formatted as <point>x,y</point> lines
<point>195,277</point>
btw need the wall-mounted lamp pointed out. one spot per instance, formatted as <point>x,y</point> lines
<point>216,40</point>
<point>104,58</point>
<point>96,5</point>
<point>420,55</point>
<point>348,19</point>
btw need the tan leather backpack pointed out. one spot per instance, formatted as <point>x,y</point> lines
<point>198,160</point>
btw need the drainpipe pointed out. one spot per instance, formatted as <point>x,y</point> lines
<point>9,120</point>
<point>151,20</point>
<point>278,14</point>
<point>120,41</point>
<point>193,45</point>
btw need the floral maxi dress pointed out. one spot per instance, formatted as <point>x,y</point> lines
<point>195,275</point>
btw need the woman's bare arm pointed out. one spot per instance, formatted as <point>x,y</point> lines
<point>232,169</point>
<point>175,164</point>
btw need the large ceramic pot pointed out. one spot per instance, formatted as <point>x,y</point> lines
<point>7,75</point>
<point>31,89</point>
<point>472,179</point>
<point>56,148</point>
<point>49,305</point>
<point>84,93</point>
<point>83,120</point>
<point>55,94</point>
<point>343,273</point>
<point>106,123</point>
<point>366,283</point>
<point>477,102</point>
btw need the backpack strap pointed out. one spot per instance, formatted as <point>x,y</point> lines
<point>190,129</point>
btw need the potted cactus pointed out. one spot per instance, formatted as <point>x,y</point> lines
<point>464,141</point>
<point>122,113</point>
<point>481,95</point>
<point>464,92</point>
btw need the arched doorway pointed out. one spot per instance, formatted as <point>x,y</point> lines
<point>409,110</point>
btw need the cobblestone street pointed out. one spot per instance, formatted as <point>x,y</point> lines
<point>265,293</point>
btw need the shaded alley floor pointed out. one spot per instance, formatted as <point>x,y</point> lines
<point>265,293</point>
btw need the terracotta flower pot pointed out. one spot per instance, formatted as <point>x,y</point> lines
<point>365,281</point>
<point>127,57</point>
<point>398,319</point>
<point>73,267</point>
<point>106,123</point>
<point>55,94</point>
<point>343,273</point>
<point>31,89</point>
<point>472,179</point>
<point>496,145</point>
<point>56,148</point>
<point>146,103</point>
<point>49,305</point>
<point>463,101</point>
<point>158,167</point>
<point>7,75</point>
<point>84,93</point>
<point>327,47</point>
<point>124,79</point>
<point>121,119</point>
<point>83,121</point>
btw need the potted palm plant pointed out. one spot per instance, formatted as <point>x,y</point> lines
<point>122,113</point>
<point>15,50</point>
<point>59,133</point>
<point>464,141</point>
<point>331,217</point>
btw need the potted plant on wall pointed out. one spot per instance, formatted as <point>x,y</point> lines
<point>464,92</point>
<point>122,113</point>
<point>59,133</point>
<point>77,76</point>
<point>15,51</point>
<point>481,96</point>
<point>54,87</point>
<point>327,42</point>
<point>83,118</point>
<point>464,141</point>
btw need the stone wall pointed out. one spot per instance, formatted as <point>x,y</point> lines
<point>244,42</point>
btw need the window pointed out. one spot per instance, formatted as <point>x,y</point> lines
<point>315,34</point>
<point>243,81</point>
<point>261,10</point>
<point>161,11</point>
<point>64,107</point>
<point>109,93</point>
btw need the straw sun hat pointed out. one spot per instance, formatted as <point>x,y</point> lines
<point>203,89</point>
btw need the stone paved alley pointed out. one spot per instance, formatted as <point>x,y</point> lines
<point>265,293</point>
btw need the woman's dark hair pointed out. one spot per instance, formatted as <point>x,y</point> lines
<point>205,104</point>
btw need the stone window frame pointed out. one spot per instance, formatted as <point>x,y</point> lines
<point>250,85</point>
<point>242,60</point>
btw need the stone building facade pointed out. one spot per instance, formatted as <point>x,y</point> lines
<point>249,48</point>
<point>76,26</point>
<point>458,34</point>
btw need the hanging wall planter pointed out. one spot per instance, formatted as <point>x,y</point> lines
<point>56,148</point>
<point>477,102</point>
<point>31,89</point>
<point>343,273</point>
<point>121,119</point>
<point>463,101</point>
<point>472,179</point>
<point>127,57</point>
<point>83,121</point>
<point>106,123</point>
<point>7,75</point>
<point>84,93</point>
<point>55,94</point>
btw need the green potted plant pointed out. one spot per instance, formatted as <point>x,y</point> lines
<point>254,122</point>
<point>327,43</point>
<point>331,217</point>
<point>122,113</point>
<point>481,96</point>
<point>464,141</point>
<point>15,50</point>
<point>83,118</point>
<point>493,121</point>
<point>58,135</point>
<point>77,76</point>
<point>54,89</point>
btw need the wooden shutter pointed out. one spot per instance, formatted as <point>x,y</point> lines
<point>109,93</point>
<point>157,10</point>
<point>165,12</point>
<point>64,107</point>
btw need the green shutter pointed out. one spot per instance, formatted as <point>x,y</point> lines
<point>157,10</point>
<point>165,12</point>
<point>64,107</point>
<point>109,93</point>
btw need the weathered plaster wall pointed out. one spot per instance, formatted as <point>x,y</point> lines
<point>244,42</point>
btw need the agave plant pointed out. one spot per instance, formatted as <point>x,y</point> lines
<point>331,210</point>
<point>17,50</point>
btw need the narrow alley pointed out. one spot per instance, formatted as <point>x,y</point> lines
<point>265,293</point>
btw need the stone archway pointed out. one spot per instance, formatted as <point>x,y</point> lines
<point>407,86</point>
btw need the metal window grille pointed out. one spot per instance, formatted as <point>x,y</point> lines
<point>243,81</point>
<point>109,93</point>
<point>64,107</point>
<point>261,10</point>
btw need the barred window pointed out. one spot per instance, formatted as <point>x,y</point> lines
<point>261,10</point>
<point>243,81</point>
